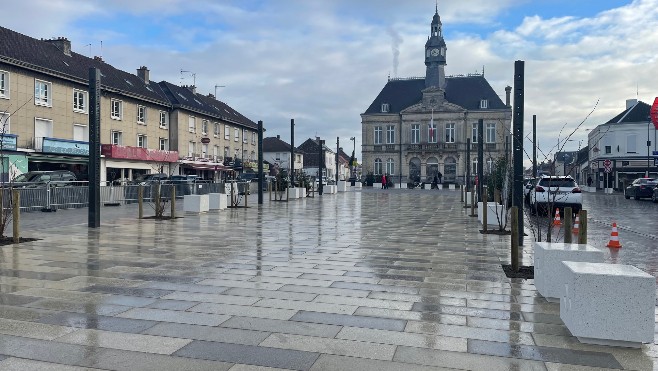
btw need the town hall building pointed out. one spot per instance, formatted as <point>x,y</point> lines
<point>418,127</point>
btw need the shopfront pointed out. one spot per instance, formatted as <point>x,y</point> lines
<point>122,164</point>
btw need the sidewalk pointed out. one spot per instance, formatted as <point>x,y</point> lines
<point>371,280</point>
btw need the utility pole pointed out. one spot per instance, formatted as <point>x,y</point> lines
<point>261,176</point>
<point>534,146</point>
<point>94,169</point>
<point>517,130</point>
<point>337,150</point>
<point>480,185</point>
<point>292,152</point>
<point>320,166</point>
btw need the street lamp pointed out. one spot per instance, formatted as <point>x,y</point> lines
<point>648,146</point>
<point>353,139</point>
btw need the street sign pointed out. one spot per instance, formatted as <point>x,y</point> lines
<point>607,163</point>
<point>607,169</point>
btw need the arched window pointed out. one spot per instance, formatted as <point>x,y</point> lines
<point>378,166</point>
<point>390,166</point>
<point>432,168</point>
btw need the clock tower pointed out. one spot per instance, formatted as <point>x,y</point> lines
<point>435,55</point>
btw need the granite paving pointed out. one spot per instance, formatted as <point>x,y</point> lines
<point>367,280</point>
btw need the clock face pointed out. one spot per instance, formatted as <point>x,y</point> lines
<point>434,52</point>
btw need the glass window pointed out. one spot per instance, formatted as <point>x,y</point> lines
<point>490,164</point>
<point>378,166</point>
<point>390,134</point>
<point>4,123</point>
<point>80,132</point>
<point>227,132</point>
<point>116,138</point>
<point>79,101</point>
<point>216,130</point>
<point>244,136</point>
<point>141,141</point>
<point>164,144</point>
<point>431,133</point>
<point>608,150</point>
<point>4,84</point>
<point>191,124</point>
<point>236,134</point>
<point>450,133</point>
<point>190,149</point>
<point>254,137</point>
<point>390,166</point>
<point>491,133</point>
<point>378,135</point>
<point>474,135</point>
<point>384,107</point>
<point>484,104</point>
<point>204,127</point>
<point>141,114</point>
<point>631,143</point>
<point>42,94</point>
<point>116,109</point>
<point>204,150</point>
<point>164,119</point>
<point>415,133</point>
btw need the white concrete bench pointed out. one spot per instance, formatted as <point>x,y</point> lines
<point>217,201</point>
<point>196,203</point>
<point>609,304</point>
<point>549,270</point>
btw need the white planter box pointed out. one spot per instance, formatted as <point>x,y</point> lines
<point>302,192</point>
<point>331,189</point>
<point>376,186</point>
<point>549,270</point>
<point>610,304</point>
<point>293,193</point>
<point>217,201</point>
<point>342,186</point>
<point>196,203</point>
<point>451,187</point>
<point>494,213</point>
<point>468,198</point>
<point>358,185</point>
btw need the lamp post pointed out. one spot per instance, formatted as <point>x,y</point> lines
<point>353,139</point>
<point>648,146</point>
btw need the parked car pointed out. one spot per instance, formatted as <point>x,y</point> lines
<point>654,195</point>
<point>552,192</point>
<point>529,185</point>
<point>640,188</point>
<point>153,178</point>
<point>35,179</point>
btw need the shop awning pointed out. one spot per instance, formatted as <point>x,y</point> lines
<point>40,157</point>
<point>206,166</point>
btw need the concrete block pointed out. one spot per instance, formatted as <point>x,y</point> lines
<point>549,271</point>
<point>217,201</point>
<point>342,186</point>
<point>196,203</point>
<point>451,187</point>
<point>358,186</point>
<point>331,189</point>
<point>468,198</point>
<point>302,192</point>
<point>494,213</point>
<point>293,193</point>
<point>610,304</point>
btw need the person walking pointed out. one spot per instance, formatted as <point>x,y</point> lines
<point>440,176</point>
<point>435,182</point>
<point>383,181</point>
<point>589,181</point>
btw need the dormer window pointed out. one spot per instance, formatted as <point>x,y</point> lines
<point>484,103</point>
<point>384,107</point>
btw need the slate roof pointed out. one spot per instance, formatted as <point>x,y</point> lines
<point>274,144</point>
<point>464,91</point>
<point>310,149</point>
<point>41,56</point>
<point>637,113</point>
<point>183,97</point>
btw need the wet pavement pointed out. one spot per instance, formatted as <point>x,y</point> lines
<point>370,280</point>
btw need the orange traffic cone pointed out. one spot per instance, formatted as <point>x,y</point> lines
<point>614,237</point>
<point>557,221</point>
<point>576,225</point>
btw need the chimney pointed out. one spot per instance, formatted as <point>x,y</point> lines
<point>61,43</point>
<point>508,92</point>
<point>143,73</point>
<point>191,88</point>
<point>97,58</point>
<point>630,103</point>
<point>211,95</point>
<point>278,136</point>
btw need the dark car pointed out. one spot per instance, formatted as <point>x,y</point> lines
<point>641,188</point>
<point>35,179</point>
<point>654,195</point>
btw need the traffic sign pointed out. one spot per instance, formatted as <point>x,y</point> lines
<point>607,169</point>
<point>607,163</point>
<point>653,113</point>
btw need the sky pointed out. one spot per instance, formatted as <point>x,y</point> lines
<point>323,62</point>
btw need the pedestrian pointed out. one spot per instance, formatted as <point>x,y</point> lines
<point>440,176</point>
<point>435,182</point>
<point>589,181</point>
<point>383,181</point>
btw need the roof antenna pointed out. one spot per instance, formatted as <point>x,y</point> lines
<point>101,49</point>
<point>482,70</point>
<point>89,45</point>
<point>191,73</point>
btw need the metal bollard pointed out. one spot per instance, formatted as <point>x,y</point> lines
<point>173,202</point>
<point>461,192</point>
<point>473,202</point>
<point>140,202</point>
<point>515,239</point>
<point>484,210</point>
<point>16,206</point>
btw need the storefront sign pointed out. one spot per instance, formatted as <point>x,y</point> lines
<point>138,153</point>
<point>8,142</point>
<point>65,147</point>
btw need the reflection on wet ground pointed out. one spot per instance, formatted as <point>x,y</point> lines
<point>373,280</point>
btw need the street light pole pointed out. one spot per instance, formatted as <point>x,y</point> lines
<point>648,147</point>
<point>353,139</point>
